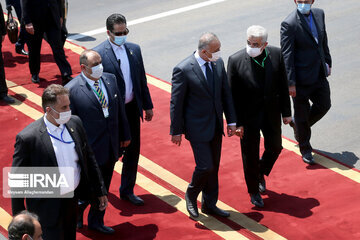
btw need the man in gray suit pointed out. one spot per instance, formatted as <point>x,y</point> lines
<point>199,96</point>
<point>307,59</point>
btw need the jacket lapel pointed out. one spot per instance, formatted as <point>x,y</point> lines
<point>89,93</point>
<point>305,25</point>
<point>249,70</point>
<point>217,79</point>
<point>111,55</point>
<point>199,73</point>
<point>109,88</point>
<point>268,72</point>
<point>132,63</point>
<point>45,138</point>
<point>77,140</point>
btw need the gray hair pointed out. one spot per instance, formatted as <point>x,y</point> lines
<point>22,223</point>
<point>206,39</point>
<point>257,31</point>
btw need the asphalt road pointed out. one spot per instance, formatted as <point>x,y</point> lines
<point>167,40</point>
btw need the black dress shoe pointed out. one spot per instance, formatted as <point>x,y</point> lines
<point>133,199</point>
<point>102,228</point>
<point>257,200</point>
<point>81,208</point>
<point>215,211</point>
<point>7,99</point>
<point>191,206</point>
<point>262,184</point>
<point>66,79</point>
<point>20,50</point>
<point>296,136</point>
<point>308,158</point>
<point>35,78</point>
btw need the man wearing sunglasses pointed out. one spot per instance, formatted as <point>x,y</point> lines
<point>124,60</point>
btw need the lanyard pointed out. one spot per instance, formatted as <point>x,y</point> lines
<point>263,61</point>
<point>61,136</point>
<point>97,94</point>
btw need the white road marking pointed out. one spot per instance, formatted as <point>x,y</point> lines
<point>149,18</point>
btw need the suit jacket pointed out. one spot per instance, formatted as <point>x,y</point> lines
<point>194,109</point>
<point>138,77</point>
<point>2,24</point>
<point>305,60</point>
<point>36,11</point>
<point>250,99</point>
<point>33,148</point>
<point>104,134</point>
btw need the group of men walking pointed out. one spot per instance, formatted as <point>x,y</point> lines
<point>95,119</point>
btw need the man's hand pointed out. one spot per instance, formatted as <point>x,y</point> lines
<point>240,132</point>
<point>103,203</point>
<point>231,130</point>
<point>287,120</point>
<point>292,91</point>
<point>124,144</point>
<point>176,139</point>
<point>30,28</point>
<point>149,115</point>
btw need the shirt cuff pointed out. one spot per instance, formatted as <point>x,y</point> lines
<point>232,124</point>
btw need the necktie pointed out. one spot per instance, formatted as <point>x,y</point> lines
<point>209,76</point>
<point>100,95</point>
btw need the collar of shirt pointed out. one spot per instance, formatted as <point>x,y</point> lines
<point>89,81</point>
<point>201,62</point>
<point>51,127</point>
<point>116,47</point>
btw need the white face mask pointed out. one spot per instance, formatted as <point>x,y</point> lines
<point>253,52</point>
<point>215,56</point>
<point>64,117</point>
<point>97,71</point>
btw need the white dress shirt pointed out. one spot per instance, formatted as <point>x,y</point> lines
<point>65,154</point>
<point>120,53</point>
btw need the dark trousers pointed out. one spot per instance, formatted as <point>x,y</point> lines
<point>24,35</point>
<point>205,177</point>
<point>3,87</point>
<point>132,152</point>
<point>96,217</point>
<point>53,34</point>
<point>250,150</point>
<point>65,229</point>
<point>307,115</point>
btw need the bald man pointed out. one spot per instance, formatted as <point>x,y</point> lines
<point>25,226</point>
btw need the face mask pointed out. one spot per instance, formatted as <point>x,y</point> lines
<point>97,71</point>
<point>304,8</point>
<point>64,117</point>
<point>253,52</point>
<point>215,56</point>
<point>119,40</point>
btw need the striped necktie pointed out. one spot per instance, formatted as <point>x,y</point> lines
<point>100,95</point>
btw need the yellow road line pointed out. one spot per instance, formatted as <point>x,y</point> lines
<point>235,216</point>
<point>324,161</point>
<point>5,218</point>
<point>33,97</point>
<point>167,196</point>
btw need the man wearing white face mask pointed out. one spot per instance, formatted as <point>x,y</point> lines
<point>96,99</point>
<point>307,58</point>
<point>259,90</point>
<point>199,96</point>
<point>58,140</point>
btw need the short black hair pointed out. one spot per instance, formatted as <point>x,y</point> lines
<point>49,96</point>
<point>18,227</point>
<point>115,18</point>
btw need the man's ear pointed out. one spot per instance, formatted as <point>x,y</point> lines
<point>26,237</point>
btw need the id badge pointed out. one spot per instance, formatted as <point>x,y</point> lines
<point>106,112</point>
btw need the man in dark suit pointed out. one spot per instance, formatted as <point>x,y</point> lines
<point>304,46</point>
<point>58,140</point>
<point>3,88</point>
<point>95,98</point>
<point>124,60</point>
<point>23,36</point>
<point>260,93</point>
<point>39,17</point>
<point>200,94</point>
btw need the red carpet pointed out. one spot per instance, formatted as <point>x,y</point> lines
<point>302,202</point>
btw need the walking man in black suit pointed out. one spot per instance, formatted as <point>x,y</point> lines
<point>58,140</point>
<point>304,46</point>
<point>260,93</point>
<point>200,95</point>
<point>96,99</point>
<point>39,17</point>
<point>124,60</point>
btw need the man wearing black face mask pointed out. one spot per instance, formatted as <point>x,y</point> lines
<point>259,89</point>
<point>304,46</point>
<point>95,98</point>
<point>58,140</point>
